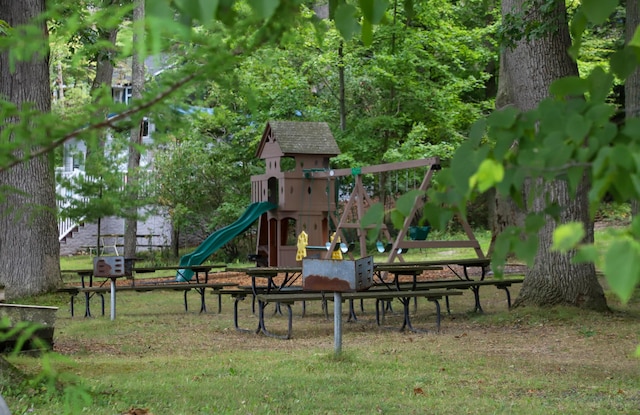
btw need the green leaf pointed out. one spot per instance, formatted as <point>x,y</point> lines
<point>526,249</point>
<point>577,28</point>
<point>346,22</point>
<point>621,158</point>
<point>574,177</point>
<point>624,62</point>
<point>600,83</point>
<point>559,154</point>
<point>553,209</point>
<point>159,8</point>
<point>569,86</point>
<point>578,23</point>
<point>534,222</point>
<point>600,114</point>
<point>202,10</point>
<point>407,201</point>
<point>367,33</point>
<point>635,227</point>
<point>577,127</point>
<point>333,5</point>
<point>478,131</point>
<point>601,162</point>
<point>462,166</point>
<point>622,267</point>
<point>635,40</point>
<point>373,216</point>
<point>489,173</point>
<point>264,8</point>
<point>567,236</point>
<point>504,118</point>
<point>438,217</point>
<point>598,11</point>
<point>397,219</point>
<point>500,252</point>
<point>631,128</point>
<point>586,254</point>
<point>373,10</point>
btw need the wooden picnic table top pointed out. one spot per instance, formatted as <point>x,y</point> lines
<point>268,271</point>
<point>88,271</point>
<point>376,294</point>
<point>470,262</point>
<point>405,267</point>
<point>381,266</point>
<point>163,286</point>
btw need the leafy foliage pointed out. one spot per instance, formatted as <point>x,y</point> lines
<point>568,135</point>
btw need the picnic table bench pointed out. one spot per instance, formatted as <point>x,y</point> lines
<point>465,263</point>
<point>184,287</point>
<point>287,299</point>
<point>89,290</point>
<point>473,285</point>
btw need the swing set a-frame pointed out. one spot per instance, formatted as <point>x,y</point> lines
<point>359,200</point>
<point>305,190</point>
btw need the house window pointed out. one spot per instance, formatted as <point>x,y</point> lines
<point>128,93</point>
<point>122,94</point>
<point>77,161</point>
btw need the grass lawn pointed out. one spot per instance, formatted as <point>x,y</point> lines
<point>525,361</point>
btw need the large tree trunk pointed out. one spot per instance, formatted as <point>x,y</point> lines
<point>528,70</point>
<point>137,84</point>
<point>29,246</point>
<point>503,211</point>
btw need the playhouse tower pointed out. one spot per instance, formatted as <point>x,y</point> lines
<point>292,151</point>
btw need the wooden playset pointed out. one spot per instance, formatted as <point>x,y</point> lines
<point>312,207</point>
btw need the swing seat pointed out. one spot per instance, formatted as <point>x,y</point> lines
<point>335,248</point>
<point>419,233</point>
<point>382,247</point>
<point>344,248</point>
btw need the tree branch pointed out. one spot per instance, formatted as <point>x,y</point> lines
<point>103,124</point>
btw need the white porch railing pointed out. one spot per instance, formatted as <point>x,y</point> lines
<point>64,195</point>
<point>66,226</point>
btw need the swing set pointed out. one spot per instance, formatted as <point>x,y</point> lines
<point>308,198</point>
<point>409,236</point>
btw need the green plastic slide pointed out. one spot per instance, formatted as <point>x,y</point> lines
<point>220,237</point>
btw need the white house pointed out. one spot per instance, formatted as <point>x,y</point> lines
<point>78,237</point>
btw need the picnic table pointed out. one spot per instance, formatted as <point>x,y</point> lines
<point>378,296</point>
<point>88,288</point>
<point>465,263</point>
<point>399,269</point>
<point>116,240</point>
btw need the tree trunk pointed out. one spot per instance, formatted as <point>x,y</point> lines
<point>528,69</point>
<point>137,84</point>
<point>632,84</point>
<point>503,211</point>
<point>29,246</point>
<point>342,102</point>
<point>104,76</point>
<point>553,279</point>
